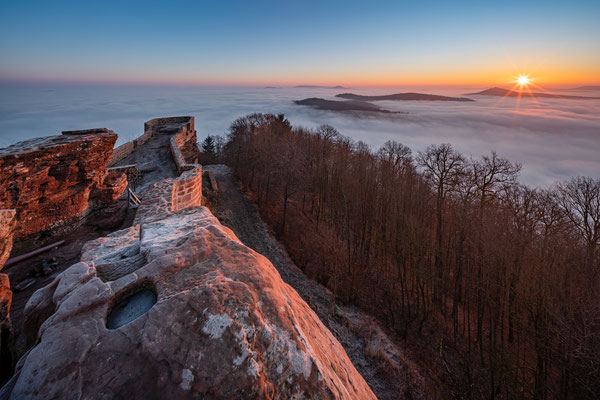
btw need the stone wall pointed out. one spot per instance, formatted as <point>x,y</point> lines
<point>177,155</point>
<point>124,150</point>
<point>183,144</point>
<point>171,196</point>
<point>49,180</point>
<point>187,141</point>
<point>156,123</point>
<point>179,158</point>
<point>187,190</point>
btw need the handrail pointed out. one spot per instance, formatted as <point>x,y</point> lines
<point>133,199</point>
<point>25,256</point>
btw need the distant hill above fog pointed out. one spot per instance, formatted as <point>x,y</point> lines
<point>402,97</point>
<point>319,87</point>
<point>584,88</point>
<point>332,105</point>
<point>501,92</point>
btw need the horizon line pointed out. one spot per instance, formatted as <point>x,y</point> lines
<point>48,82</point>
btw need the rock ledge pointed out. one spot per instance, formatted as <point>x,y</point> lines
<point>224,324</point>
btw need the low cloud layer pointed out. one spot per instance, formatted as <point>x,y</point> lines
<point>553,139</point>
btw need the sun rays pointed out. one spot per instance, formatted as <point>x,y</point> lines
<point>522,84</point>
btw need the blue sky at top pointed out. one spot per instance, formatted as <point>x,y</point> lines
<point>265,42</point>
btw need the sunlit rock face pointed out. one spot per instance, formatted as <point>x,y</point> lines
<point>49,179</point>
<point>7,226</point>
<point>188,311</point>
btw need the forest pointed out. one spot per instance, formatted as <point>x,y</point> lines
<point>494,285</point>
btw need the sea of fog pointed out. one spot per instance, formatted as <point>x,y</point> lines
<point>553,139</point>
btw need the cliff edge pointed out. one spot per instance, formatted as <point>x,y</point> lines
<point>176,306</point>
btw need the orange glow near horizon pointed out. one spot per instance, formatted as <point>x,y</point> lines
<point>389,78</point>
<point>452,75</point>
<point>384,76</point>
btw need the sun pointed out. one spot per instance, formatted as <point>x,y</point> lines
<point>523,80</point>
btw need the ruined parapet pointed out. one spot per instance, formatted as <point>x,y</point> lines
<point>49,180</point>
<point>179,158</point>
<point>170,196</point>
<point>121,152</point>
<point>7,226</point>
<point>183,124</point>
<point>183,144</point>
<point>182,128</point>
<point>187,190</point>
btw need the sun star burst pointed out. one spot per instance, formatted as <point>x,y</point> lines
<point>523,80</point>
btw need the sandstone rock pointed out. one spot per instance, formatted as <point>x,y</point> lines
<point>7,226</point>
<point>6,331</point>
<point>115,255</point>
<point>200,316</point>
<point>112,187</point>
<point>49,179</point>
<point>5,295</point>
<point>131,171</point>
<point>47,182</point>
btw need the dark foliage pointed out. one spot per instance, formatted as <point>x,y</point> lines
<point>495,284</point>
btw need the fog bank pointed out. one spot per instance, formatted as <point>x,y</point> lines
<point>553,139</point>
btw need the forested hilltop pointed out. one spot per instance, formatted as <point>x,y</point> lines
<point>493,285</point>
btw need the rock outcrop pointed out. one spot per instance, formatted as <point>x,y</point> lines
<point>178,307</point>
<point>113,185</point>
<point>7,226</point>
<point>49,180</point>
<point>47,184</point>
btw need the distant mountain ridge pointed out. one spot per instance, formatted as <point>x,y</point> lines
<point>583,88</point>
<point>332,105</point>
<point>501,92</point>
<point>402,97</point>
<point>319,87</point>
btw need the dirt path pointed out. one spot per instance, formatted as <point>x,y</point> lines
<point>383,365</point>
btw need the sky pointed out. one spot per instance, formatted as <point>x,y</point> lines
<point>302,42</point>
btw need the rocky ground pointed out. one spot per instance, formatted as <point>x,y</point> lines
<point>383,365</point>
<point>28,275</point>
<point>379,361</point>
<point>177,307</point>
<point>155,163</point>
